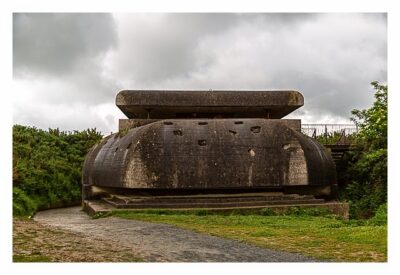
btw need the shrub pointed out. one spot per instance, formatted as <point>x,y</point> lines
<point>380,217</point>
<point>47,166</point>
<point>23,205</point>
<point>365,170</point>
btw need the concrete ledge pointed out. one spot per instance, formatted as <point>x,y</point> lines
<point>96,207</point>
<point>339,209</point>
<point>174,104</point>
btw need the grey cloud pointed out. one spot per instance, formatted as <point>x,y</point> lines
<point>65,52</point>
<point>158,50</point>
<point>69,121</point>
<point>330,58</point>
<point>56,43</point>
<point>277,21</point>
<point>152,52</point>
<point>324,96</point>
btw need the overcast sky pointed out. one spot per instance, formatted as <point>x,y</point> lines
<point>69,67</point>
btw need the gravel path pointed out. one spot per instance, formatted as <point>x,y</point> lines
<point>161,242</point>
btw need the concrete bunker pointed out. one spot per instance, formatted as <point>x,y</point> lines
<point>176,144</point>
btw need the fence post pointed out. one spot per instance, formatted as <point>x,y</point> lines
<point>326,134</point>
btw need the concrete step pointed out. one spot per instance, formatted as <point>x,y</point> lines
<point>340,209</point>
<point>208,204</point>
<point>200,196</point>
<point>205,199</point>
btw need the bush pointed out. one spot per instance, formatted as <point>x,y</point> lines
<point>365,169</point>
<point>23,205</point>
<point>380,217</point>
<point>47,167</point>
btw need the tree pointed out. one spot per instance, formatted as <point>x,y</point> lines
<point>367,166</point>
<point>373,121</point>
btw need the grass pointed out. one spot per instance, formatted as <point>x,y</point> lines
<point>323,237</point>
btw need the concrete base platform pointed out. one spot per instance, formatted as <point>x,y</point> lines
<point>340,209</point>
<point>212,201</point>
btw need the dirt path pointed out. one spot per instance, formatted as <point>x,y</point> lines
<point>160,242</point>
<point>36,242</point>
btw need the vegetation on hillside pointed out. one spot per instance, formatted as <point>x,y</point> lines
<point>362,173</point>
<point>366,167</point>
<point>47,167</point>
<point>336,138</point>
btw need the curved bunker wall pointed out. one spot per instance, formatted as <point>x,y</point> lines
<point>208,154</point>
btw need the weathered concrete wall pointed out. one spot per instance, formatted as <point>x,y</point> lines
<point>209,153</point>
<point>126,124</point>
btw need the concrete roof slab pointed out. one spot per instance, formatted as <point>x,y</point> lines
<point>207,104</point>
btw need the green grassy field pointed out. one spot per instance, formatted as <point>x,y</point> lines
<point>322,237</point>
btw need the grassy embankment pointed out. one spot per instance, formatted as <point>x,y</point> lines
<point>47,167</point>
<point>322,237</point>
